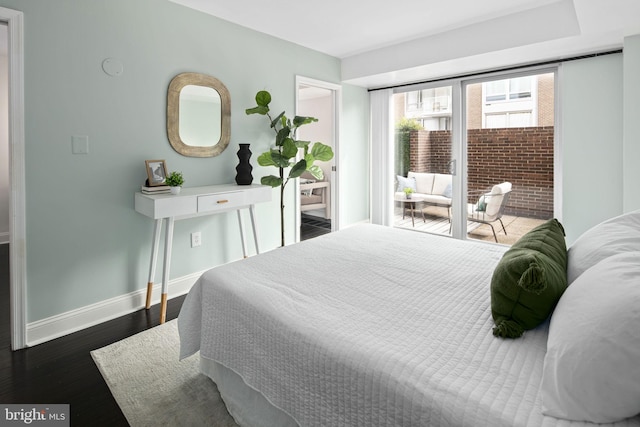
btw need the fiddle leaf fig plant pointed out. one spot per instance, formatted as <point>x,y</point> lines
<point>285,153</point>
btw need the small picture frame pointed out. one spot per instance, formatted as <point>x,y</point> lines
<point>156,172</point>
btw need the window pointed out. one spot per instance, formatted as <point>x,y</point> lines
<point>508,89</point>
<point>429,107</point>
<point>510,102</point>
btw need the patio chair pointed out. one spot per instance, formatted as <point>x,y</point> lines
<point>490,207</point>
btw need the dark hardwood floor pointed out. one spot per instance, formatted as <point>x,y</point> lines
<point>62,370</point>
<point>313,226</point>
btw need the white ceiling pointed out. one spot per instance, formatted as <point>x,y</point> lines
<point>343,28</point>
<point>458,35</point>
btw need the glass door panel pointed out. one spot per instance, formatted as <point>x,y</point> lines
<point>422,150</point>
<point>510,156</point>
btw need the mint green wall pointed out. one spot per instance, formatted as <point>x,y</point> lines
<point>592,143</point>
<point>631,150</point>
<point>354,157</point>
<point>85,243</point>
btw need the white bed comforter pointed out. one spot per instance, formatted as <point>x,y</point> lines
<point>370,326</point>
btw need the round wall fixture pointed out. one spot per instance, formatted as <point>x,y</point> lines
<point>112,67</point>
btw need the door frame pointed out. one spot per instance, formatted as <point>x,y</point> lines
<point>336,90</point>
<point>17,211</point>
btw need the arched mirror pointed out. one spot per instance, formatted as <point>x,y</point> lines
<point>198,115</point>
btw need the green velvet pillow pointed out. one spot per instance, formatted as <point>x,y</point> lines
<point>529,280</point>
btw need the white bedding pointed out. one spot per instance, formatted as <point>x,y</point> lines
<point>370,326</point>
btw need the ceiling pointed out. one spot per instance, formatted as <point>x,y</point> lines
<point>388,42</point>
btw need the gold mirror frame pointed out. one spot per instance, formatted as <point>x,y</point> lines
<point>173,114</point>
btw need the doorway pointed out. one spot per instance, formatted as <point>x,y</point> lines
<point>317,201</point>
<point>14,21</point>
<point>475,158</point>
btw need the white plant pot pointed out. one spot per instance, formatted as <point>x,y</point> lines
<point>175,190</point>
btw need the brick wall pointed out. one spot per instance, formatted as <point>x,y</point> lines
<point>522,156</point>
<point>545,100</point>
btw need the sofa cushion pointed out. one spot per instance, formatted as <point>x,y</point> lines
<point>406,182</point>
<point>495,197</point>
<point>434,199</point>
<point>448,192</point>
<point>424,181</point>
<point>440,183</point>
<point>309,200</point>
<point>529,280</point>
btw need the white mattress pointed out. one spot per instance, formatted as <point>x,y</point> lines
<point>370,326</point>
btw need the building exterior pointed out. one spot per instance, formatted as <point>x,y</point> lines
<point>517,102</point>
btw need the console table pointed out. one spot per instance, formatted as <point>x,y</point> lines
<point>193,202</point>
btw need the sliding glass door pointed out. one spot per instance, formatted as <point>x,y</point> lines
<point>509,139</point>
<point>474,158</point>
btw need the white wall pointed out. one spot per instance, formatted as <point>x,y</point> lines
<point>600,107</point>
<point>85,243</point>
<point>591,92</point>
<point>631,124</point>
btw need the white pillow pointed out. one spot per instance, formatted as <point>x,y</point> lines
<point>406,182</point>
<point>592,367</point>
<point>614,236</point>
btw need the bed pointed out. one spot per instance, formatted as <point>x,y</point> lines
<point>396,331</point>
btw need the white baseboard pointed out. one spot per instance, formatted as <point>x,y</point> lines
<point>4,238</point>
<point>75,320</point>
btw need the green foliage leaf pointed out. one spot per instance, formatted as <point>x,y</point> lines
<point>303,144</point>
<point>263,98</point>
<point>321,152</point>
<point>301,120</point>
<point>257,110</point>
<point>310,159</point>
<point>298,169</point>
<point>406,124</point>
<point>283,134</point>
<point>279,160</point>
<point>265,159</point>
<point>316,171</point>
<point>274,181</point>
<point>274,122</point>
<point>289,148</point>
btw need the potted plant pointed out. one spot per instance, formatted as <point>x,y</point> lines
<point>283,155</point>
<point>175,181</point>
<point>408,191</point>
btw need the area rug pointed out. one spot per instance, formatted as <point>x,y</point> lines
<point>153,388</point>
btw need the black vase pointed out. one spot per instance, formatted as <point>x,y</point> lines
<point>244,168</point>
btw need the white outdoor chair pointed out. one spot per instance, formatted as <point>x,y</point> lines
<point>490,207</point>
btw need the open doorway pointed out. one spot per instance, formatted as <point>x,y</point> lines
<point>14,24</point>
<point>317,201</point>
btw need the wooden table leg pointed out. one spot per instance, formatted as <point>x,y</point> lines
<point>242,236</point>
<point>412,206</point>
<point>154,260</point>
<point>252,214</point>
<point>167,264</point>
